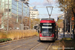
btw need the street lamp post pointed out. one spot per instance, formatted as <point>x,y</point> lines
<point>29,20</point>
<point>17,10</point>
<point>26,22</point>
<point>22,25</point>
<point>25,2</point>
<point>8,17</point>
<point>22,14</point>
<point>29,15</point>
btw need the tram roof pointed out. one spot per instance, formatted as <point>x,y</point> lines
<point>47,19</point>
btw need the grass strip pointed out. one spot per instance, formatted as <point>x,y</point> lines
<point>68,43</point>
<point>5,40</point>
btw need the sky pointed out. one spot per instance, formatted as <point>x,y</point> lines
<point>41,6</point>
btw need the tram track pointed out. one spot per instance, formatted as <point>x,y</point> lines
<point>22,45</point>
<point>49,47</point>
<point>30,44</point>
<point>35,46</point>
<point>19,44</point>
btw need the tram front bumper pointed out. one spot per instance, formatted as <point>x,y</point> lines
<point>47,38</point>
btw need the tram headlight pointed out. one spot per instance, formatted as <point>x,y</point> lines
<point>52,35</point>
<point>40,35</point>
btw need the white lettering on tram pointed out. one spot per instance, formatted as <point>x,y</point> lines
<point>46,27</point>
<point>47,24</point>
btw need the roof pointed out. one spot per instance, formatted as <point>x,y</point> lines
<point>47,20</point>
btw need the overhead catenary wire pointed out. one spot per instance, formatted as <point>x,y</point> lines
<point>42,6</point>
<point>45,7</point>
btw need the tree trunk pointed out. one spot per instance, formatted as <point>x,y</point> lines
<point>74,23</point>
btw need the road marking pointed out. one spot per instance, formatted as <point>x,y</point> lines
<point>49,46</point>
<point>35,46</point>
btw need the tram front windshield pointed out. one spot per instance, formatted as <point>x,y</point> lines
<point>47,28</point>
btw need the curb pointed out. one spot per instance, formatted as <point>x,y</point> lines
<point>54,46</point>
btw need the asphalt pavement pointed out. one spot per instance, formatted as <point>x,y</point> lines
<point>31,43</point>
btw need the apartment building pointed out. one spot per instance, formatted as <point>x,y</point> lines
<point>34,14</point>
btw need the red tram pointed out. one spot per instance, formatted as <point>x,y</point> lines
<point>48,30</point>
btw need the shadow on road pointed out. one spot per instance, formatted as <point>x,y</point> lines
<point>46,41</point>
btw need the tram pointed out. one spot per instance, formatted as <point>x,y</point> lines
<point>48,30</point>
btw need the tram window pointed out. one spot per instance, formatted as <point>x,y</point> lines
<point>47,31</point>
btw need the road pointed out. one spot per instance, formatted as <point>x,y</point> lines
<point>31,43</point>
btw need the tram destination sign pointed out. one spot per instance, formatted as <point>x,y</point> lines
<point>47,23</point>
<point>46,27</point>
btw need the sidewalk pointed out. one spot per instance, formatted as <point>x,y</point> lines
<point>67,35</point>
<point>57,45</point>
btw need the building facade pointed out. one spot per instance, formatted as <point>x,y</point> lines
<point>13,8</point>
<point>33,13</point>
